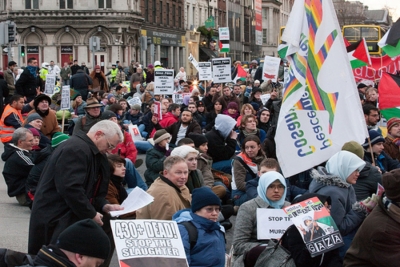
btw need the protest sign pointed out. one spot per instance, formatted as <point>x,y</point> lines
<point>157,110</point>
<point>50,84</point>
<point>271,223</point>
<point>135,132</point>
<point>136,199</point>
<point>134,100</point>
<point>221,70</point>
<point>271,68</point>
<point>148,243</point>
<point>205,73</point>
<point>178,98</point>
<point>193,61</point>
<point>65,97</point>
<point>163,82</point>
<point>316,226</point>
<point>265,98</point>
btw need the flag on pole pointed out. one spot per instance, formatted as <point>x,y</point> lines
<point>241,74</point>
<point>389,95</point>
<point>223,39</point>
<point>320,109</point>
<point>358,54</point>
<point>390,42</point>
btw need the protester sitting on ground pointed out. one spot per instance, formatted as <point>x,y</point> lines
<point>219,106</point>
<point>116,191</point>
<point>204,163</point>
<point>380,158</point>
<point>377,241</point>
<point>372,96</point>
<point>118,110</point>
<point>156,156</point>
<point>189,154</point>
<point>75,247</point>
<point>78,106</point>
<point>127,150</point>
<point>134,116</point>
<point>248,126</point>
<point>245,167</point>
<point>11,118</point>
<point>34,120</point>
<point>202,217</point>
<point>372,117</point>
<point>370,176</point>
<point>264,123</point>
<point>342,170</point>
<point>169,191</point>
<point>110,100</point>
<point>232,110</point>
<point>201,114</point>
<point>93,113</point>
<point>255,97</point>
<point>271,194</point>
<point>36,140</point>
<point>294,242</point>
<point>247,109</point>
<point>18,163</point>
<point>222,143</point>
<point>40,159</point>
<point>392,140</point>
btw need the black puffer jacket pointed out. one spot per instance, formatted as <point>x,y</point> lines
<point>367,182</point>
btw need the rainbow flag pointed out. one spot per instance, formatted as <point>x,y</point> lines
<point>320,105</point>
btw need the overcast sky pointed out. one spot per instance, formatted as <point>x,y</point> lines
<point>394,5</point>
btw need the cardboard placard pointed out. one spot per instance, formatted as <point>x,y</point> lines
<point>221,70</point>
<point>205,73</point>
<point>271,68</point>
<point>50,84</point>
<point>163,82</point>
<point>65,98</point>
<point>271,223</point>
<point>178,98</point>
<point>147,242</point>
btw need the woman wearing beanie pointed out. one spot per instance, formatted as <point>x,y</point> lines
<point>155,156</point>
<point>78,107</point>
<point>232,110</point>
<point>342,170</point>
<point>209,248</point>
<point>189,154</point>
<point>377,241</point>
<point>36,139</point>
<point>271,195</point>
<point>245,167</point>
<point>34,120</point>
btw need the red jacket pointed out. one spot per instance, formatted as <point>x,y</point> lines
<point>127,148</point>
<point>167,120</point>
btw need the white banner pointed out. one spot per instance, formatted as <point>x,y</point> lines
<point>50,84</point>
<point>205,73</point>
<point>148,242</point>
<point>221,70</point>
<point>223,33</point>
<point>321,109</point>
<point>178,98</point>
<point>193,61</point>
<point>163,82</point>
<point>271,68</point>
<point>271,223</point>
<point>65,97</point>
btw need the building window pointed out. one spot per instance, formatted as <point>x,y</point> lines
<point>173,15</point>
<point>31,4</point>
<point>264,36</point>
<point>161,12</point>
<point>154,11</point>
<point>66,4</point>
<point>179,17</point>
<point>146,10</point>
<point>168,23</point>
<point>105,4</point>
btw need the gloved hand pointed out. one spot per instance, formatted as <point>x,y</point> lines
<point>370,203</point>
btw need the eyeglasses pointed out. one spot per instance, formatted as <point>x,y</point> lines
<point>210,209</point>
<point>279,187</point>
<point>110,146</point>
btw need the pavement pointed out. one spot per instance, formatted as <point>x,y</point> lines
<point>14,219</point>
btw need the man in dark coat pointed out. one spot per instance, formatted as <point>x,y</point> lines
<point>73,184</point>
<point>80,82</point>
<point>29,81</point>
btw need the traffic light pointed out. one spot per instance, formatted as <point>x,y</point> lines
<point>12,32</point>
<point>148,40</point>
<point>22,50</point>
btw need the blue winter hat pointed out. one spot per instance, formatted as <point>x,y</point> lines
<point>375,138</point>
<point>204,196</point>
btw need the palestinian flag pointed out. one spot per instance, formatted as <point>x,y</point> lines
<point>358,54</point>
<point>241,74</point>
<point>282,50</point>
<point>390,42</point>
<point>224,46</point>
<point>389,95</point>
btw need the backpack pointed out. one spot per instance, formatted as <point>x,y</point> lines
<point>12,258</point>
<point>192,231</point>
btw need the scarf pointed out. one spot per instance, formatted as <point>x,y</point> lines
<point>395,141</point>
<point>246,133</point>
<point>32,70</point>
<point>162,150</point>
<point>265,180</point>
<point>117,182</point>
<point>41,113</point>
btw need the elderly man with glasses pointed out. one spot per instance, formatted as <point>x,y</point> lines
<point>93,115</point>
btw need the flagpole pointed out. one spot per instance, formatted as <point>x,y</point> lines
<point>370,150</point>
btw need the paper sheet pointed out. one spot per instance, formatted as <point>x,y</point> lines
<point>136,199</point>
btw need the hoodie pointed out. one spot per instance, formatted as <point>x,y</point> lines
<point>224,124</point>
<point>210,246</point>
<point>18,164</point>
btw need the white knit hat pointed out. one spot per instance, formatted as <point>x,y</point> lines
<point>183,151</point>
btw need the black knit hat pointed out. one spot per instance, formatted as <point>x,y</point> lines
<point>391,183</point>
<point>198,139</point>
<point>86,238</point>
<point>375,138</point>
<point>107,114</point>
<point>203,196</point>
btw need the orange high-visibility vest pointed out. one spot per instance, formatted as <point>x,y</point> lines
<point>6,132</point>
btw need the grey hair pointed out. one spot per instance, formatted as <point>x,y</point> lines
<point>109,128</point>
<point>19,135</point>
<point>171,161</point>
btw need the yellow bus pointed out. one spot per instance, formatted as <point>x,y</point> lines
<point>371,33</point>
<point>280,35</point>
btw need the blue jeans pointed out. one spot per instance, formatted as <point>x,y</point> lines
<point>239,197</point>
<point>142,131</point>
<point>132,177</point>
<point>142,146</point>
<point>224,166</point>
